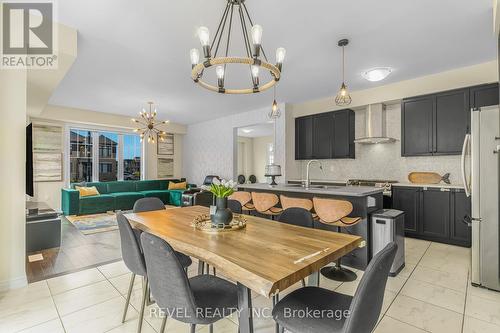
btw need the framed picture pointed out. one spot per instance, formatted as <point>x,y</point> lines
<point>165,167</point>
<point>47,167</point>
<point>166,147</point>
<point>47,138</point>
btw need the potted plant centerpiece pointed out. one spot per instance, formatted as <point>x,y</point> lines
<point>221,189</point>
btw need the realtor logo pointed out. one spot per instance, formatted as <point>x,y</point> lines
<point>27,35</point>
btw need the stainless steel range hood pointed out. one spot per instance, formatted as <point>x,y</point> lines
<point>375,130</point>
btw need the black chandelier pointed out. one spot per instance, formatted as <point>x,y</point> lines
<point>253,49</point>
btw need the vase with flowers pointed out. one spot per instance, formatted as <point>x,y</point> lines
<point>221,190</point>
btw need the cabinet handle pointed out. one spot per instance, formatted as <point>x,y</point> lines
<point>445,189</point>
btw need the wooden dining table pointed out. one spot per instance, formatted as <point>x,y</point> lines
<point>266,257</point>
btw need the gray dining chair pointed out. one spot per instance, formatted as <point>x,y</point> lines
<point>297,216</point>
<point>234,206</point>
<point>363,309</point>
<point>204,299</point>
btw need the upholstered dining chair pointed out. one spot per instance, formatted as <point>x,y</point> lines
<point>234,206</point>
<point>333,215</point>
<point>363,309</point>
<point>204,299</point>
<point>265,204</point>
<point>245,199</point>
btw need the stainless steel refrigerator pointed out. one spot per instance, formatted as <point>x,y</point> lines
<point>481,173</point>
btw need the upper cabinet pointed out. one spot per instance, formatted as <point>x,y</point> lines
<point>436,124</point>
<point>325,136</point>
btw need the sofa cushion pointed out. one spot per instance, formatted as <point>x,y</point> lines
<point>102,187</point>
<point>148,185</point>
<point>96,204</point>
<point>176,197</point>
<point>163,195</point>
<point>126,200</point>
<point>121,186</point>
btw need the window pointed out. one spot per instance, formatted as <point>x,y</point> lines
<point>104,156</point>
<point>80,156</point>
<point>108,157</point>
<point>131,157</point>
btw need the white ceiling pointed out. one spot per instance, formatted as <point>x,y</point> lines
<point>130,52</point>
<point>256,131</point>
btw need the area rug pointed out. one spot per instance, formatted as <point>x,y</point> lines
<point>95,223</point>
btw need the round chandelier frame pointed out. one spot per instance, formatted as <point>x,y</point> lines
<point>253,49</point>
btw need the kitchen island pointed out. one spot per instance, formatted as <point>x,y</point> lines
<point>365,200</point>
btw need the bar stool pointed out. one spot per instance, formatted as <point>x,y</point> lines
<point>333,213</point>
<point>288,202</point>
<point>265,204</point>
<point>245,199</point>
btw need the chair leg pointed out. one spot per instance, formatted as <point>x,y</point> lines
<point>193,328</point>
<point>208,269</point>
<point>143,304</point>
<point>303,282</point>
<point>163,324</point>
<point>276,299</point>
<point>201,267</point>
<point>129,293</point>
<point>215,274</point>
<point>211,328</point>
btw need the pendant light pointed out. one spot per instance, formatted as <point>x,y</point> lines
<point>343,98</point>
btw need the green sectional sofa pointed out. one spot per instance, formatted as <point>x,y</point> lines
<point>118,195</point>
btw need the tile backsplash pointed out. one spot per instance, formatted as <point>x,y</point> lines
<point>383,161</point>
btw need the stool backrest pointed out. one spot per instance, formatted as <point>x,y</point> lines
<point>234,206</point>
<point>241,196</point>
<point>264,201</point>
<point>297,216</point>
<point>287,202</point>
<point>331,210</point>
<point>367,302</point>
<point>168,280</point>
<point>148,204</point>
<point>131,250</point>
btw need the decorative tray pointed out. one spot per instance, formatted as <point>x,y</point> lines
<point>203,223</point>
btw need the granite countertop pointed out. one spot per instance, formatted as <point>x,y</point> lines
<point>349,191</point>
<point>440,185</point>
<point>319,181</point>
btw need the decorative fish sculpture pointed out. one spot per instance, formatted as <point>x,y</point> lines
<point>428,178</point>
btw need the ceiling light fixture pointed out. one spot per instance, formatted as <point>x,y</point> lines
<point>149,125</point>
<point>252,39</point>
<point>343,98</point>
<point>377,74</point>
<point>275,112</point>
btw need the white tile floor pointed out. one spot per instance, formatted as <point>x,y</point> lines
<point>432,294</point>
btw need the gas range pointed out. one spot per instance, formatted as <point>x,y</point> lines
<point>385,184</point>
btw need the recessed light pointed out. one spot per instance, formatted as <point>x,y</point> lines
<point>247,130</point>
<point>377,74</point>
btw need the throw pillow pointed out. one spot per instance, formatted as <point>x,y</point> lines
<point>177,186</point>
<point>87,191</point>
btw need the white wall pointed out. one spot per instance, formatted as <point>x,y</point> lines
<point>210,146</point>
<point>260,153</point>
<point>13,90</point>
<point>245,164</point>
<point>382,161</point>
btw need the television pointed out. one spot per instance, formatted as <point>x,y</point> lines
<point>29,160</point>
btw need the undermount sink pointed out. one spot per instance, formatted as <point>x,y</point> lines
<point>326,187</point>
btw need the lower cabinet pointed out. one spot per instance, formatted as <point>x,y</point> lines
<point>434,214</point>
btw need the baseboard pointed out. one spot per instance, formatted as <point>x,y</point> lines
<point>18,282</point>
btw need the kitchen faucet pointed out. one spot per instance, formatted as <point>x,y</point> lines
<point>308,182</point>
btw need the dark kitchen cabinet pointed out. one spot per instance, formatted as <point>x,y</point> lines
<point>325,136</point>
<point>450,121</point>
<point>303,138</point>
<point>416,126</point>
<point>460,232</point>
<point>436,124</point>
<point>407,199</point>
<point>484,95</point>
<point>343,134</point>
<point>323,131</point>
<point>434,214</point>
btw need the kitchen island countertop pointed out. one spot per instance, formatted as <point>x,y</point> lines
<point>348,191</point>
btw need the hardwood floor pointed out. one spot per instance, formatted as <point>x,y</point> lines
<point>77,252</point>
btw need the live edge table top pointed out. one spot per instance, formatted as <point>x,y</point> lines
<point>266,256</point>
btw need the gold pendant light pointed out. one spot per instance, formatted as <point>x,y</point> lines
<point>343,97</point>
<point>149,125</point>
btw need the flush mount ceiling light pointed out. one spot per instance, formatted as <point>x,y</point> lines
<point>247,130</point>
<point>149,125</point>
<point>343,98</point>
<point>377,74</point>
<point>253,52</point>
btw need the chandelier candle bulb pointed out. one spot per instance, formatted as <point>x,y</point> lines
<point>255,75</point>
<point>280,57</point>
<point>195,57</point>
<point>204,36</point>
<point>219,70</point>
<point>256,39</point>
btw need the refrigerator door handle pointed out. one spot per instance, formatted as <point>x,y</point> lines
<point>463,161</point>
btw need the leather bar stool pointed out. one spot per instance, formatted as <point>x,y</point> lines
<point>265,204</point>
<point>245,199</point>
<point>289,202</point>
<point>333,213</point>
